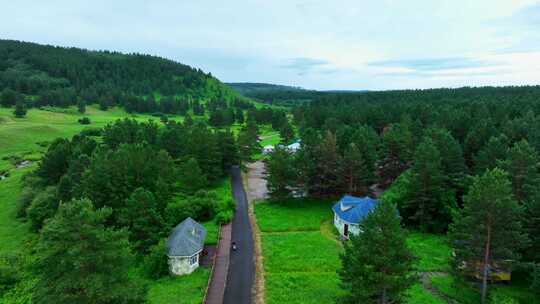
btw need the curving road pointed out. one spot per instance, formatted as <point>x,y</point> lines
<point>242,267</point>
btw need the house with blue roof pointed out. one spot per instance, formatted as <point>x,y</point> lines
<point>349,212</point>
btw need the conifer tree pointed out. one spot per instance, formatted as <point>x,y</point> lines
<point>286,133</point>
<point>491,154</point>
<point>82,261</point>
<point>281,173</point>
<point>377,265</point>
<point>488,228</point>
<point>356,174</point>
<point>429,202</point>
<point>522,164</point>
<point>20,109</point>
<point>191,177</point>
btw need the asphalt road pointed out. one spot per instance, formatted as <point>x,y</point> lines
<point>242,267</point>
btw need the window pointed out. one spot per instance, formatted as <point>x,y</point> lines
<point>194,259</point>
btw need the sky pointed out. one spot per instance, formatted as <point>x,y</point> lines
<point>325,45</point>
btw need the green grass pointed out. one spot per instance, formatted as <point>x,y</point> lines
<point>433,251</point>
<point>12,231</point>
<point>212,231</point>
<point>187,289</point>
<point>462,293</point>
<point>418,295</point>
<point>293,215</point>
<point>300,252</point>
<point>305,288</point>
<point>300,263</point>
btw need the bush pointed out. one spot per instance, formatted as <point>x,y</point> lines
<point>43,207</point>
<point>91,132</point>
<point>9,274</point>
<point>156,262</point>
<point>224,216</point>
<point>84,121</point>
<point>27,196</point>
<point>202,207</point>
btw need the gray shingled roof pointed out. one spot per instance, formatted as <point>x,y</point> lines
<point>186,239</point>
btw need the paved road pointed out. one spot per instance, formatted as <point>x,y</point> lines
<point>242,266</point>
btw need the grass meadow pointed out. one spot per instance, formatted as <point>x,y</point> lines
<point>301,259</point>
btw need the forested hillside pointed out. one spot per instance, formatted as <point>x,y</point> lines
<point>276,94</point>
<point>41,75</point>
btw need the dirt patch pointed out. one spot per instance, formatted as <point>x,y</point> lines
<point>256,186</point>
<point>256,181</point>
<point>425,277</point>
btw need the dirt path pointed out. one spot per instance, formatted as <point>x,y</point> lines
<point>255,183</point>
<point>425,278</point>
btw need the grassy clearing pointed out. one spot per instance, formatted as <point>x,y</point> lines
<point>432,250</point>
<point>466,293</point>
<point>179,290</point>
<point>293,215</point>
<point>12,231</point>
<point>418,295</point>
<point>297,256</point>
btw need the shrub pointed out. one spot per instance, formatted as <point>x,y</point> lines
<point>91,132</point>
<point>202,207</point>
<point>224,216</point>
<point>84,121</point>
<point>43,206</point>
<point>27,196</point>
<point>9,274</point>
<point>155,263</point>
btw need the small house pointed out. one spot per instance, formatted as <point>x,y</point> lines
<point>349,212</point>
<point>268,149</point>
<point>184,246</point>
<point>294,147</point>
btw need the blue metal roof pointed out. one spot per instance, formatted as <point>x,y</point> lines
<point>353,209</point>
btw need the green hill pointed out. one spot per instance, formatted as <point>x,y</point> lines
<point>59,76</point>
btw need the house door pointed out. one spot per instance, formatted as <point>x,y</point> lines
<point>346,230</point>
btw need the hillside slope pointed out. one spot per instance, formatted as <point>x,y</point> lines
<point>58,76</point>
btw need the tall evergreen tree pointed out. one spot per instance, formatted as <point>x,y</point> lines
<point>82,261</point>
<point>491,154</point>
<point>488,229</point>
<point>20,109</point>
<point>191,177</point>
<point>429,202</point>
<point>377,265</point>
<point>356,174</point>
<point>286,133</point>
<point>143,219</point>
<point>522,164</point>
<point>327,178</point>
<point>281,174</point>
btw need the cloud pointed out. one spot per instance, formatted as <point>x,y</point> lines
<point>432,64</point>
<point>303,65</point>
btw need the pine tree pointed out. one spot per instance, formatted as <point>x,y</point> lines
<point>429,202</point>
<point>81,105</point>
<point>522,164</point>
<point>281,174</point>
<point>20,109</point>
<point>488,229</point>
<point>286,133</point>
<point>82,261</point>
<point>191,177</point>
<point>142,218</point>
<point>491,154</point>
<point>377,265</point>
<point>532,227</point>
<point>356,174</point>
<point>328,178</point>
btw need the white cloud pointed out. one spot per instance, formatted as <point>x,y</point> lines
<point>323,44</point>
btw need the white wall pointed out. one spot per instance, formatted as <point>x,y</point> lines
<point>182,265</point>
<point>340,225</point>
